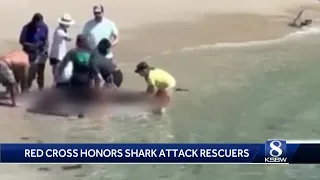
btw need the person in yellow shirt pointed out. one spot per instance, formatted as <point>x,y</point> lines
<point>160,84</point>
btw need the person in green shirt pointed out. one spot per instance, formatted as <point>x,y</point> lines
<point>85,72</point>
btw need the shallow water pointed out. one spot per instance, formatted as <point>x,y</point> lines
<point>243,94</point>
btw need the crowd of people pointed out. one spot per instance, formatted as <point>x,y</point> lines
<point>89,64</point>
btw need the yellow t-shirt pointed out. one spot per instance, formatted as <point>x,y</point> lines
<point>161,79</point>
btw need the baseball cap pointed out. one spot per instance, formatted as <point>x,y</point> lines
<point>141,66</point>
<point>98,8</point>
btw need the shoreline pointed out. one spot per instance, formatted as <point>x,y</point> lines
<point>157,38</point>
<point>136,43</point>
<point>152,40</point>
<point>166,37</point>
<point>208,29</point>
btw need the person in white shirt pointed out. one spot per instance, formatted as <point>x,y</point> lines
<point>59,44</point>
<point>99,28</point>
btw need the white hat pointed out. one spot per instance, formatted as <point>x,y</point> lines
<point>66,19</point>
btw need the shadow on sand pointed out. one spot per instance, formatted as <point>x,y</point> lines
<point>69,102</point>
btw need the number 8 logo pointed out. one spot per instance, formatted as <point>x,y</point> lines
<point>275,150</point>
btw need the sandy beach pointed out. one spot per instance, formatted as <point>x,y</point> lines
<point>147,28</point>
<point>161,26</point>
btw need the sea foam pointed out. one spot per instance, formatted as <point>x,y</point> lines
<point>294,35</point>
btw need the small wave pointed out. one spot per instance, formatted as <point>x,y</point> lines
<point>295,35</point>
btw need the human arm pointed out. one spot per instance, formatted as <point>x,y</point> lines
<point>151,89</point>
<point>115,35</point>
<point>46,39</point>
<point>64,35</point>
<point>23,39</point>
<point>95,73</point>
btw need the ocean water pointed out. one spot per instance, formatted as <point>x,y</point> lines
<point>240,92</point>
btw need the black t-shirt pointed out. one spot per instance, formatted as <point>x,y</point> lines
<point>104,65</point>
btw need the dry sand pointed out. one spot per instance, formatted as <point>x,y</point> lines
<point>148,28</point>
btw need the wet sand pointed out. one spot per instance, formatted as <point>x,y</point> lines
<point>147,29</point>
<point>142,39</point>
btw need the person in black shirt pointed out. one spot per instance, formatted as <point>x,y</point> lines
<point>109,71</point>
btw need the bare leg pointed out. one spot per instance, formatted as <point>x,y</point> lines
<point>11,88</point>
<point>162,99</point>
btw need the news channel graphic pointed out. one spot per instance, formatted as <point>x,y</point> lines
<point>272,151</point>
<point>292,151</point>
<point>276,151</point>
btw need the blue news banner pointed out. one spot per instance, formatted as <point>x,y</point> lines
<point>273,151</point>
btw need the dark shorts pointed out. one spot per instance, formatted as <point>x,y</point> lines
<point>80,81</point>
<point>6,74</point>
<point>116,77</point>
<point>54,61</point>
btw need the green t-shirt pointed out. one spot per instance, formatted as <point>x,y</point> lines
<point>81,58</point>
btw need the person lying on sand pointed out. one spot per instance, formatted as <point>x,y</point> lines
<point>160,84</point>
<point>301,23</point>
<point>14,71</point>
<point>108,70</point>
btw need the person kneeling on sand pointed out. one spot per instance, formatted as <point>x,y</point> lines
<point>13,71</point>
<point>109,71</point>
<point>160,84</point>
<point>84,72</point>
<point>60,39</point>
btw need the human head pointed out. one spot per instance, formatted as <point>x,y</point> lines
<point>37,18</point>
<point>104,45</point>
<point>98,11</point>
<point>66,20</point>
<point>142,68</point>
<point>81,41</point>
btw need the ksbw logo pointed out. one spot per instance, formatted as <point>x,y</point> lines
<point>275,151</point>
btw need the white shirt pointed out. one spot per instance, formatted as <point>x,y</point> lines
<point>66,74</point>
<point>96,31</point>
<point>59,44</point>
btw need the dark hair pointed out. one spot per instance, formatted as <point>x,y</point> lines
<point>37,17</point>
<point>104,45</point>
<point>82,41</point>
<point>141,66</point>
